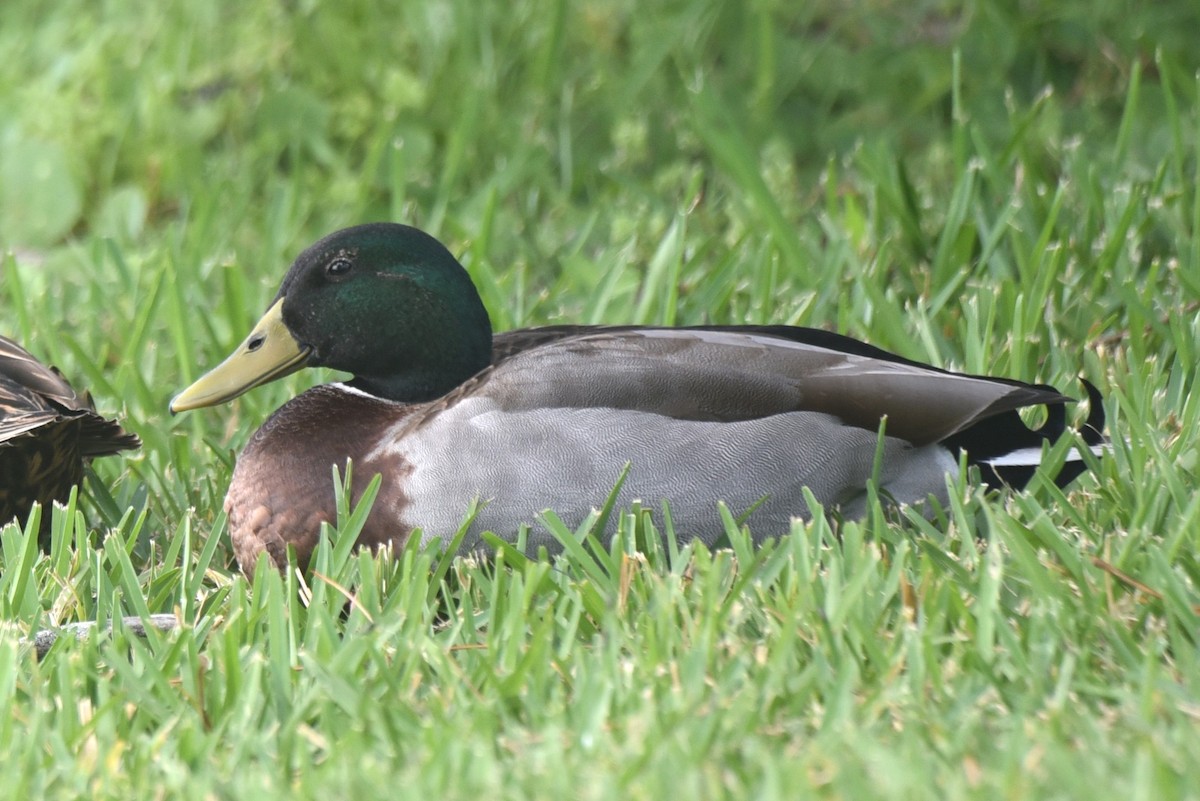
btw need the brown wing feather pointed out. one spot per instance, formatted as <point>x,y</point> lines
<point>33,395</point>
<point>23,379</point>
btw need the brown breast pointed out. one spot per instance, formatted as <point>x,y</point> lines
<point>282,487</point>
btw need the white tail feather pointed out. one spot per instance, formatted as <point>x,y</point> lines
<point>1030,457</point>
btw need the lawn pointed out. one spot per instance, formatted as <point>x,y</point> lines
<point>1009,188</point>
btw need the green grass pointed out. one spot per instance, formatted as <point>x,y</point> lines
<point>1002,188</point>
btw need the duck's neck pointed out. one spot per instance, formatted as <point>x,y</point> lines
<point>414,386</point>
<point>428,368</point>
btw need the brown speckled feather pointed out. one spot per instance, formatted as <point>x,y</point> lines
<point>47,430</point>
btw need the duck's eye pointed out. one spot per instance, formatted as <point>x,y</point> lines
<point>338,267</point>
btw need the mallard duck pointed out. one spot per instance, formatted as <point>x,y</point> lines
<point>547,418</point>
<point>47,432</point>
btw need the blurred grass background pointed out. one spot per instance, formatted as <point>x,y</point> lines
<point>1002,187</point>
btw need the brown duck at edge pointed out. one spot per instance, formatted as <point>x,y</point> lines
<point>547,418</point>
<point>47,432</point>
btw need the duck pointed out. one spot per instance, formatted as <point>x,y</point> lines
<point>48,432</point>
<point>452,415</point>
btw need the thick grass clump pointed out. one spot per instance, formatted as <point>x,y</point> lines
<point>999,188</point>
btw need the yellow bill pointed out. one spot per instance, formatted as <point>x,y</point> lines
<point>269,352</point>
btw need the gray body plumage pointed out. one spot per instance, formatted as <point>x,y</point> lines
<point>700,416</point>
<point>568,461</point>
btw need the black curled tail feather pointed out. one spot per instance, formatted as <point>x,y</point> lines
<point>989,441</point>
<point>1092,429</point>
